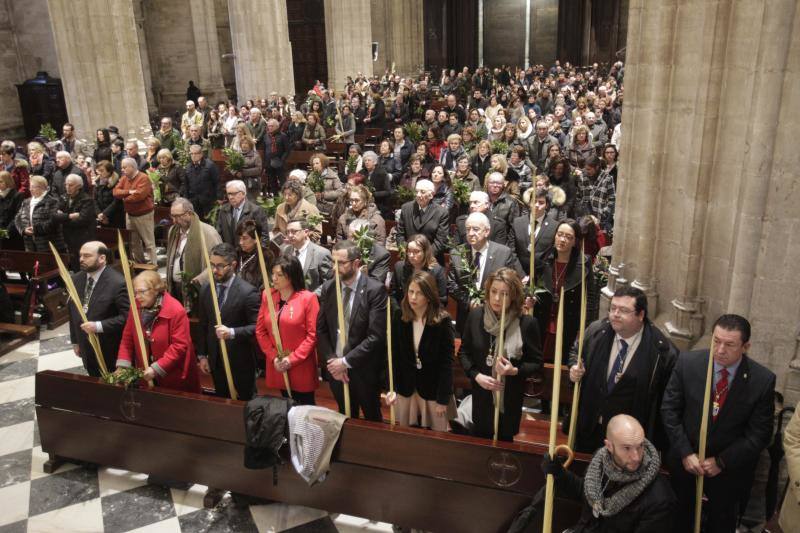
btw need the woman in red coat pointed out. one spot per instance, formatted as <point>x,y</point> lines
<point>297,310</point>
<point>166,332</point>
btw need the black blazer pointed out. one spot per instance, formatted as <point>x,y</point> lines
<point>744,425</point>
<point>544,240</point>
<point>109,305</point>
<point>434,381</point>
<point>434,224</point>
<point>498,231</point>
<point>250,211</point>
<point>379,268</point>
<point>366,342</point>
<point>381,183</point>
<point>403,271</point>
<point>475,342</point>
<point>240,312</point>
<point>458,277</point>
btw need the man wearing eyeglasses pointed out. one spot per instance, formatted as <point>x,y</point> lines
<point>625,365</point>
<point>184,252</point>
<point>239,209</point>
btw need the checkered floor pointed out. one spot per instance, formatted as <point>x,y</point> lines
<point>109,500</point>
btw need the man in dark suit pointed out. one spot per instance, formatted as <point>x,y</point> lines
<point>202,179</point>
<point>105,301</point>
<point>421,216</point>
<point>479,203</point>
<point>378,267</point>
<point>239,303</point>
<point>625,366</point>
<point>316,260</point>
<point>237,209</point>
<point>484,256</point>
<point>739,424</point>
<point>276,151</point>
<point>544,234</point>
<point>360,362</point>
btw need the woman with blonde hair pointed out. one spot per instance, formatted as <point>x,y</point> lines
<point>172,176</point>
<point>581,146</point>
<point>332,187</point>
<point>491,370</point>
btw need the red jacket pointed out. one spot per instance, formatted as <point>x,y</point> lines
<point>170,346</point>
<point>297,324</point>
<point>141,201</point>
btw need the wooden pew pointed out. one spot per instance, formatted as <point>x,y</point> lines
<point>298,159</point>
<point>32,288</point>
<point>392,474</point>
<point>20,334</point>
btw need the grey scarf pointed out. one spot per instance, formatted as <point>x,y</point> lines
<point>512,342</point>
<point>603,467</point>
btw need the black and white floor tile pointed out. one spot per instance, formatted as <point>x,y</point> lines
<point>92,500</point>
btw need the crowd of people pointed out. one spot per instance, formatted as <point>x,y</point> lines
<point>510,182</point>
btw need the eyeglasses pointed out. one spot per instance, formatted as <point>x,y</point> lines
<point>220,266</point>
<point>141,291</point>
<point>177,215</point>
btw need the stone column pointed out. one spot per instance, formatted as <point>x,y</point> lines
<point>398,27</point>
<point>261,48</point>
<point>102,76</point>
<point>348,37</point>
<point>206,42</point>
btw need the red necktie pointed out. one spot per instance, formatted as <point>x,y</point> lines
<point>720,393</point>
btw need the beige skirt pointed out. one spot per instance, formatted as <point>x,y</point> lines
<point>414,410</point>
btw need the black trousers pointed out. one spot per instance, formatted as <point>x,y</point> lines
<point>724,493</point>
<point>365,396</point>
<point>244,381</point>
<point>301,398</point>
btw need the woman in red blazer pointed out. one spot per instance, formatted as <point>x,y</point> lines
<point>166,332</point>
<point>297,310</point>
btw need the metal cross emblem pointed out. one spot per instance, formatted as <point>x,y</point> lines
<point>503,469</point>
<point>128,405</point>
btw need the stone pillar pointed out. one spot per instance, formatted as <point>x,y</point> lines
<point>138,13</point>
<point>206,43</point>
<point>708,191</point>
<point>261,48</point>
<point>398,27</point>
<point>102,76</point>
<point>348,37</point>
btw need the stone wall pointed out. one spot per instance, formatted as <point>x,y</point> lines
<point>708,187</point>
<point>544,31</point>
<point>504,32</point>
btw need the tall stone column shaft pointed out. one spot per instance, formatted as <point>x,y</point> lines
<point>261,48</point>
<point>102,76</point>
<point>406,44</point>
<point>348,37</point>
<point>206,42</point>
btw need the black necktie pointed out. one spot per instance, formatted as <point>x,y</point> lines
<point>221,293</point>
<point>87,294</point>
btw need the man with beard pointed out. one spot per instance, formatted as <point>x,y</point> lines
<point>622,489</point>
<point>104,299</point>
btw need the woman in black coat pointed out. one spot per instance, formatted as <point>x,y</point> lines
<point>419,258</point>
<point>422,356</point>
<point>561,268</point>
<point>490,371</point>
<point>110,211</point>
<point>10,202</point>
<point>103,150</point>
<point>380,182</point>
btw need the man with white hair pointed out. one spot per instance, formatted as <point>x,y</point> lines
<point>276,150</point>
<point>466,275</point>
<point>190,118</point>
<point>237,210</point>
<point>64,167</point>
<point>257,127</point>
<point>184,246</point>
<point>597,129</point>
<point>381,183</point>
<point>422,216</point>
<point>479,203</point>
<point>76,213</point>
<point>136,192</point>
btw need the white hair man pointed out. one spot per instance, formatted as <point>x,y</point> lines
<point>479,203</point>
<point>64,167</point>
<point>191,117</point>
<point>135,191</point>
<point>482,257</point>
<point>237,210</point>
<point>421,215</point>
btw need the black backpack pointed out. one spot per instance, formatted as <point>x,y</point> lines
<point>266,431</point>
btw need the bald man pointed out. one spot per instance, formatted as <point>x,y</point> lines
<point>104,299</point>
<point>622,489</point>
